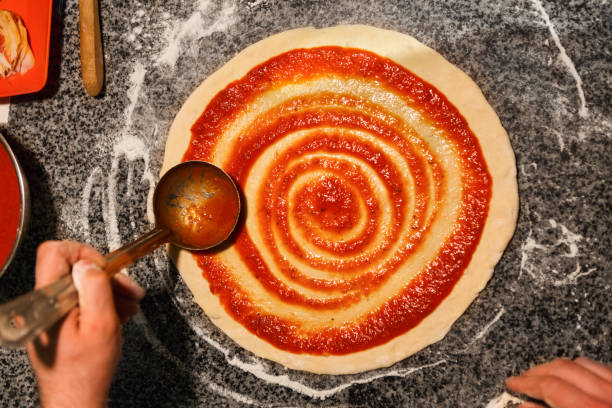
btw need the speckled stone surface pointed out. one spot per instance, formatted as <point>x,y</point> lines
<point>91,163</point>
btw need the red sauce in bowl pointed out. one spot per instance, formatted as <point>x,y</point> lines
<point>10,205</point>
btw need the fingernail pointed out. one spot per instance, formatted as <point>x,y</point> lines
<point>80,270</point>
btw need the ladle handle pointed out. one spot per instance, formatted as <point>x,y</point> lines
<point>24,318</point>
<point>130,253</point>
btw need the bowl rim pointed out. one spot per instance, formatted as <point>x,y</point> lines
<point>24,212</point>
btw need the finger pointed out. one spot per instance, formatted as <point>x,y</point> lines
<point>576,375</point>
<point>126,308</point>
<point>530,405</point>
<point>127,294</point>
<point>43,349</point>
<point>554,391</point>
<point>69,326</point>
<point>97,307</point>
<point>126,287</point>
<point>54,259</point>
<point>601,370</point>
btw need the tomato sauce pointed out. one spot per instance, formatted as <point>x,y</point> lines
<point>332,206</point>
<point>10,205</point>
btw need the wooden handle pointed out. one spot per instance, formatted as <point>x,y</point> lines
<point>130,253</point>
<point>92,64</point>
<point>26,317</point>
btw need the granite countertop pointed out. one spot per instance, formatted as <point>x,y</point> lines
<point>544,67</point>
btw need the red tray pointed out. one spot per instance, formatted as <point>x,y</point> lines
<point>36,15</point>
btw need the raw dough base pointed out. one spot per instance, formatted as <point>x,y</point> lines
<point>462,92</point>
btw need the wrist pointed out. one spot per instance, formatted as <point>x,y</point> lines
<point>70,399</point>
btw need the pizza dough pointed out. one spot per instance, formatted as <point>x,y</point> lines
<point>444,199</point>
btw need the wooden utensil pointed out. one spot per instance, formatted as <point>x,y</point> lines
<point>92,63</point>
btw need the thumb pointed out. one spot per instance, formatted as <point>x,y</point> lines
<point>96,303</point>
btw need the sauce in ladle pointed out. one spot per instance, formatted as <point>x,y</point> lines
<point>199,203</point>
<point>196,206</point>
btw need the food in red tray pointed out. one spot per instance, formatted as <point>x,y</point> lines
<point>16,56</point>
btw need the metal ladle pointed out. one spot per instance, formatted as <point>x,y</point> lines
<point>196,206</point>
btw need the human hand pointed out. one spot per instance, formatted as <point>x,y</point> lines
<point>564,383</point>
<point>75,360</point>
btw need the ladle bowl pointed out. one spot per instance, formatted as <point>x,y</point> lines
<point>199,203</point>
<point>196,207</point>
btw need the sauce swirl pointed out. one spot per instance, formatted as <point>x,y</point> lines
<point>352,199</point>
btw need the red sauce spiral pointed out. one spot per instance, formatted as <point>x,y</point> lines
<point>338,215</point>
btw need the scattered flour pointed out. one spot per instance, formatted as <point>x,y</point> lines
<point>136,78</point>
<point>94,177</point>
<point>582,111</point>
<point>572,278</point>
<point>194,28</point>
<point>141,321</point>
<point>559,138</point>
<point>568,238</point>
<point>132,149</point>
<point>488,326</point>
<point>482,333</point>
<point>230,394</point>
<point>503,400</point>
<point>526,169</point>
<point>258,370</point>
<point>531,249</point>
<point>255,3</point>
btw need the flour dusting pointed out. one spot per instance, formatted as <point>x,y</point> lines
<point>255,3</point>
<point>259,371</point>
<point>132,149</point>
<point>559,137</point>
<point>136,78</point>
<point>488,326</point>
<point>230,394</point>
<point>94,177</point>
<point>582,111</point>
<point>572,278</point>
<point>542,262</point>
<point>527,169</point>
<point>504,400</point>
<point>140,320</point>
<point>256,368</point>
<point>568,238</point>
<point>193,28</point>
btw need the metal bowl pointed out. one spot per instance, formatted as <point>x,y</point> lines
<point>24,212</point>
